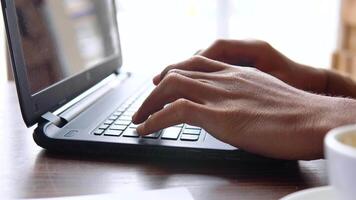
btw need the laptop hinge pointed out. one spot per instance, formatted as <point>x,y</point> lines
<point>69,111</point>
<point>54,119</point>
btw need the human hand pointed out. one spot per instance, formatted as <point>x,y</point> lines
<point>261,55</point>
<point>241,106</point>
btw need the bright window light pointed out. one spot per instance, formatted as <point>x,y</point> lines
<point>157,32</point>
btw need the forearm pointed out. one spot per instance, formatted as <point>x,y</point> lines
<point>332,112</point>
<point>339,85</point>
<point>336,112</point>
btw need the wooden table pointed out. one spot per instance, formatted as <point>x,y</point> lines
<point>27,171</point>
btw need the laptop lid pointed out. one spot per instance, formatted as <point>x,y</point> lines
<point>59,49</point>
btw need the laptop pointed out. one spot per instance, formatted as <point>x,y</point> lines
<point>67,65</point>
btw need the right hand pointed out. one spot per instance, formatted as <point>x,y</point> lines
<point>261,55</point>
<point>241,106</point>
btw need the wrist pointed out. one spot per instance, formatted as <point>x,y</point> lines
<point>342,111</point>
<point>323,114</point>
<point>335,112</point>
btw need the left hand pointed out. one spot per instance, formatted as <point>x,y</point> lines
<point>241,106</point>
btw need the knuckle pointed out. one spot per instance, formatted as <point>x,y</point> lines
<point>182,106</point>
<point>197,59</point>
<point>183,103</point>
<point>220,42</point>
<point>171,78</point>
<point>262,44</point>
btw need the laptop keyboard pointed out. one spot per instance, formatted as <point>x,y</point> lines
<point>119,124</point>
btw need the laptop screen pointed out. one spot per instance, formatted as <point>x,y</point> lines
<point>61,38</point>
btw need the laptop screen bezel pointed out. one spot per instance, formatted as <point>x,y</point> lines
<point>33,106</point>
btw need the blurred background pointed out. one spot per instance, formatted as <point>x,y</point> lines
<point>156,33</point>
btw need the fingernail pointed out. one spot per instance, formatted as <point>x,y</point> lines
<point>140,128</point>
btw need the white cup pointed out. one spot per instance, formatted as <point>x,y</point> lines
<point>340,149</point>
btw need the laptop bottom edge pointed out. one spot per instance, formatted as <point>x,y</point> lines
<point>130,151</point>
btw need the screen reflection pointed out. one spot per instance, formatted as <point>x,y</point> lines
<point>61,38</point>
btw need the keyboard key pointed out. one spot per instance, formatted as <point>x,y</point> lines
<point>117,113</point>
<point>192,138</point>
<point>113,117</point>
<point>137,103</point>
<point>131,133</point>
<point>191,127</point>
<point>129,113</point>
<point>125,106</point>
<point>104,126</point>
<point>192,131</point>
<point>118,127</point>
<point>171,133</point>
<point>153,135</point>
<point>116,133</point>
<point>121,109</point>
<point>130,100</point>
<point>132,109</point>
<point>133,125</point>
<point>179,125</point>
<point>125,118</point>
<point>122,122</point>
<point>109,122</point>
<point>98,132</point>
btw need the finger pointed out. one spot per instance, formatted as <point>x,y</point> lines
<point>156,79</point>
<point>192,74</point>
<point>238,52</point>
<point>173,87</point>
<point>178,112</point>
<point>196,63</point>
